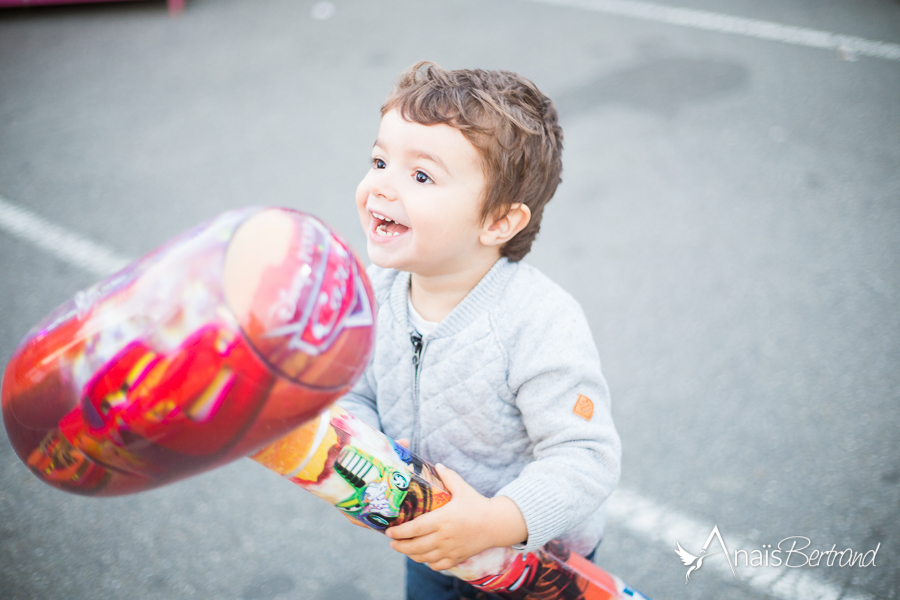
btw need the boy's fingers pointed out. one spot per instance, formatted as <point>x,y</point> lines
<point>403,442</point>
<point>416,528</point>
<point>415,547</point>
<point>436,559</point>
<point>455,483</point>
<point>432,557</point>
<point>416,558</point>
<point>443,564</point>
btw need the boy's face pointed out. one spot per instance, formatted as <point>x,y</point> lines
<point>428,181</point>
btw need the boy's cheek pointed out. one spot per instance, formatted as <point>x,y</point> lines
<point>362,191</point>
<point>362,195</point>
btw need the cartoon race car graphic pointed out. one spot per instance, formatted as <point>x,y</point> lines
<point>57,461</point>
<point>146,410</point>
<point>379,489</point>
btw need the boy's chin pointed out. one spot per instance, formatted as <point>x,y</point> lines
<point>386,263</point>
<point>378,258</point>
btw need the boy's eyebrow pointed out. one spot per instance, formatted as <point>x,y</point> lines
<point>434,159</point>
<point>420,154</point>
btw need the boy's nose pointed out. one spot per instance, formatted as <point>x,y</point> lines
<point>381,186</point>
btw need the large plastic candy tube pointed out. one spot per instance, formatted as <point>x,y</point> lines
<point>201,352</point>
<point>371,478</point>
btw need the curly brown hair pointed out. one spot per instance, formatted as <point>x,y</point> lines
<point>513,126</point>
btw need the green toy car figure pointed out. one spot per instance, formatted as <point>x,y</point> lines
<point>380,489</point>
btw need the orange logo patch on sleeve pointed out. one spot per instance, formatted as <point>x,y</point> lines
<point>584,408</point>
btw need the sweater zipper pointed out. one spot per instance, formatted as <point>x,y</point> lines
<point>418,350</point>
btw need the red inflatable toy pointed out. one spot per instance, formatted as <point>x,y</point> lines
<point>202,352</point>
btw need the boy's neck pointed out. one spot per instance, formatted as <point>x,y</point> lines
<point>435,296</point>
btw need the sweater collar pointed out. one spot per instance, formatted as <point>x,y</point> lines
<point>481,298</point>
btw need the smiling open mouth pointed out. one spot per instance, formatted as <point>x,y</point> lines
<point>386,227</point>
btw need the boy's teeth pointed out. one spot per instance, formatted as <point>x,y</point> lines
<point>381,217</point>
<point>382,230</point>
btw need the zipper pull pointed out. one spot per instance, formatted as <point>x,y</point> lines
<point>416,340</point>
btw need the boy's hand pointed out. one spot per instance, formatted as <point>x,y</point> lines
<point>465,526</point>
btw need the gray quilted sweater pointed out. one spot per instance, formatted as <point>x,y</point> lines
<point>492,394</point>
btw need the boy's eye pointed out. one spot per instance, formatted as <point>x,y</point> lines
<point>378,163</point>
<point>422,177</point>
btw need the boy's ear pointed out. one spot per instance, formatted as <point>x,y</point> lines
<point>503,229</point>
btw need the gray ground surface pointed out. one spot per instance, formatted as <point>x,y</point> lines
<point>729,221</point>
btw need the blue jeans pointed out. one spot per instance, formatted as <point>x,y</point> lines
<point>424,584</point>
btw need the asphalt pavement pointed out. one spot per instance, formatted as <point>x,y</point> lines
<point>729,220</point>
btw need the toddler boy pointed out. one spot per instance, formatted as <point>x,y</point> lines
<point>481,362</point>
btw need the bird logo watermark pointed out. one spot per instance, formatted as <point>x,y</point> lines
<point>695,562</point>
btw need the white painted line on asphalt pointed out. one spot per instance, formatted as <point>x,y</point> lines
<point>63,244</point>
<point>638,514</point>
<point>765,30</point>
<point>661,525</point>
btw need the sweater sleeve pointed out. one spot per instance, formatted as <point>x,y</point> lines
<point>554,370</point>
<point>360,400</point>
